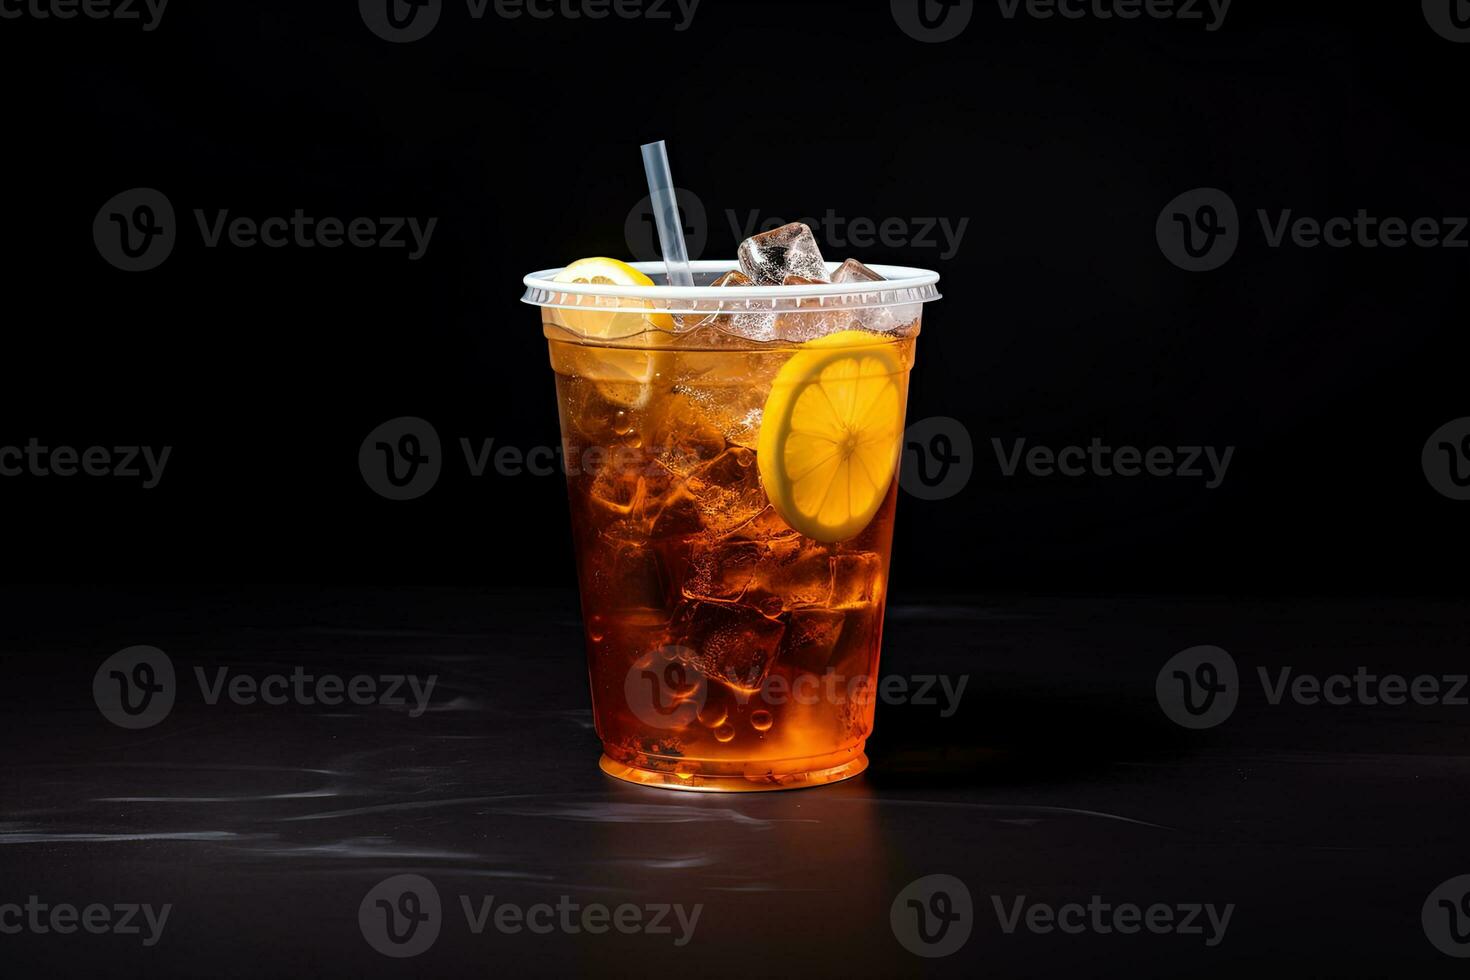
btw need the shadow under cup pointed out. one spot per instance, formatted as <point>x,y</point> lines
<point>727,649</point>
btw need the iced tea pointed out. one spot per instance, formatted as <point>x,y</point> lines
<point>732,449</point>
<point>727,650</point>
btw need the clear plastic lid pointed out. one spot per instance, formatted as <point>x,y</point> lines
<point>902,287</point>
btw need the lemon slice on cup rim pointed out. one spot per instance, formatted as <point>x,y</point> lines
<point>831,434</point>
<point>608,324</point>
<point>624,375</point>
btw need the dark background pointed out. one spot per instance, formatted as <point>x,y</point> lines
<point>262,550</point>
<point>1060,140</point>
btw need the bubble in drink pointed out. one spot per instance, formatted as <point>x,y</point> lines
<point>714,714</point>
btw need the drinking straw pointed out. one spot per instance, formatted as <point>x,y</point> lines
<point>666,214</point>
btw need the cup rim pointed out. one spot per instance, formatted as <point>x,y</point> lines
<point>901,286</point>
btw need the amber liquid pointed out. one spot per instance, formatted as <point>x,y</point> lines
<point>726,651</point>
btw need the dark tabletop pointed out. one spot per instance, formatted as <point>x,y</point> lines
<point>1054,777</point>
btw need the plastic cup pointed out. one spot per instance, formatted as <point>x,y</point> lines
<point>727,650</point>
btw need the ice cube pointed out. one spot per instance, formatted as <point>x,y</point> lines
<point>886,319</point>
<point>857,580</point>
<point>638,578</point>
<point>798,571</point>
<point>736,412</point>
<point>619,492</point>
<point>856,651</point>
<point>812,319</point>
<point>722,572</point>
<point>854,271</point>
<point>676,514</point>
<point>727,490</point>
<point>717,330</point>
<point>729,331</point>
<point>879,319</point>
<point>682,438</point>
<point>760,327</point>
<point>685,323</point>
<point>732,644</point>
<point>623,575</point>
<point>766,527</point>
<point>801,327</point>
<point>730,391</point>
<point>596,418</point>
<point>749,326</point>
<point>790,250</point>
<point>811,639</point>
<point>704,348</point>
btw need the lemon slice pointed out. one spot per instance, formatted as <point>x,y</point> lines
<point>831,433</point>
<point>608,324</point>
<point>624,376</point>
